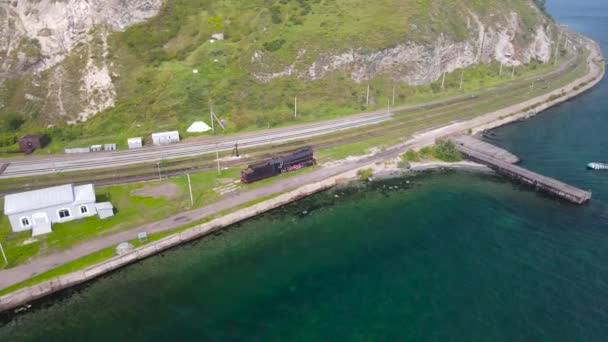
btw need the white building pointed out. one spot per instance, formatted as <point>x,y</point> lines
<point>37,210</point>
<point>135,143</point>
<point>165,138</point>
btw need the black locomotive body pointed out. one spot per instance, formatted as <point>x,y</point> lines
<point>281,163</point>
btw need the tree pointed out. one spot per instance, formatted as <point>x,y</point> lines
<point>12,122</point>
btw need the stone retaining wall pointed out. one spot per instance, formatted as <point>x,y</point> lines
<point>31,293</point>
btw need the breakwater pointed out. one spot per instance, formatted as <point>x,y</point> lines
<point>503,162</point>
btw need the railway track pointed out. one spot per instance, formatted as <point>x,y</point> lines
<point>45,165</point>
<point>408,119</point>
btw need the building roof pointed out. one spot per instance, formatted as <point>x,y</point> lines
<point>84,194</point>
<point>49,197</point>
<point>104,206</point>
<point>162,134</point>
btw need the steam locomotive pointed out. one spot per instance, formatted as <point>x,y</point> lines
<point>281,163</point>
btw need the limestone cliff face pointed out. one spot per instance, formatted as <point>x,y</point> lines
<point>38,35</point>
<point>419,64</point>
<point>56,58</point>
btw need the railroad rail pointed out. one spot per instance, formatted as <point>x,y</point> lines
<point>39,165</point>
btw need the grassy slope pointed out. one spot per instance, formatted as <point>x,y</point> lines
<point>154,61</point>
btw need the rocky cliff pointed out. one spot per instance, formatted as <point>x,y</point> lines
<point>416,64</point>
<point>37,35</point>
<point>66,60</point>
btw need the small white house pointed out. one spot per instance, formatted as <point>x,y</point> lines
<point>165,138</point>
<point>37,210</point>
<point>135,143</point>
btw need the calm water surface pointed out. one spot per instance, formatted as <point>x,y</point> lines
<point>444,257</point>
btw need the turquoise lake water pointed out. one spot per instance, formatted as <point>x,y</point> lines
<point>438,257</point>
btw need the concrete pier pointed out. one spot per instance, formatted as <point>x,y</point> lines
<point>486,148</point>
<point>477,152</point>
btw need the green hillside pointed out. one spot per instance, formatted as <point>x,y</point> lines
<point>153,62</point>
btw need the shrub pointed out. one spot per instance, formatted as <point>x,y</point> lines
<point>12,122</point>
<point>410,156</point>
<point>446,150</point>
<point>274,45</point>
<point>404,164</point>
<point>426,152</point>
<point>365,174</point>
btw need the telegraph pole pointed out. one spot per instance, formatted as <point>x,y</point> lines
<point>513,71</point>
<point>160,178</point>
<point>295,107</point>
<point>3,255</point>
<point>217,157</point>
<point>461,78</point>
<point>500,72</point>
<point>557,47</point>
<point>367,98</point>
<point>483,38</point>
<point>211,118</point>
<point>190,188</point>
<point>393,94</point>
<point>443,81</point>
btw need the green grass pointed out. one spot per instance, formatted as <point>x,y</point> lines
<point>109,252</point>
<point>444,150</point>
<point>130,207</point>
<point>154,60</point>
<point>204,181</point>
<point>131,211</point>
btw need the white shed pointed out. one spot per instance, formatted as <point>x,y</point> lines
<point>165,138</point>
<point>135,142</point>
<point>104,210</point>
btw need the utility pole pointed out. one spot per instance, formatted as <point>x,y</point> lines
<point>211,118</point>
<point>235,151</point>
<point>3,255</point>
<point>483,38</point>
<point>557,46</point>
<point>500,72</point>
<point>367,98</point>
<point>393,94</point>
<point>295,107</point>
<point>160,178</point>
<point>190,188</point>
<point>443,80</point>
<point>461,78</point>
<point>513,71</point>
<point>389,107</point>
<point>217,157</point>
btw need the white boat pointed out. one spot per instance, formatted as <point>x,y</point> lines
<point>597,166</point>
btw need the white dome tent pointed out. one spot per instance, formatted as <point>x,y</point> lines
<point>198,127</point>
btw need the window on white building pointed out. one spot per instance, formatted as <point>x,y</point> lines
<point>84,209</point>
<point>64,213</point>
<point>25,222</point>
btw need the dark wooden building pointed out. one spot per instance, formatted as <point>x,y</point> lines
<point>29,143</point>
